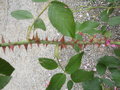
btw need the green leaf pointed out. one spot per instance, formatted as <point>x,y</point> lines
<point>5,67</point>
<point>108,82</point>
<point>115,76</point>
<point>77,25</point>
<point>94,84</point>
<point>110,61</point>
<point>74,63</point>
<point>104,15</point>
<point>82,75</point>
<point>22,14</point>
<point>69,84</point>
<point>57,81</point>
<point>48,63</point>
<point>62,18</point>
<point>4,81</point>
<point>88,27</point>
<point>114,20</point>
<point>117,52</point>
<point>39,24</point>
<point>39,0</point>
<point>101,68</point>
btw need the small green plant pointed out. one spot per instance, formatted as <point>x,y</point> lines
<point>61,17</point>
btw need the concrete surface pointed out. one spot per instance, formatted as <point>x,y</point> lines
<point>28,74</point>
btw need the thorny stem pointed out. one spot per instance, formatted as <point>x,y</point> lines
<point>30,27</point>
<point>56,42</point>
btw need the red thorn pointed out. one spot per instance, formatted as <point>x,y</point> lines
<point>3,41</point>
<point>4,49</point>
<point>76,41</point>
<point>81,33</point>
<point>46,39</point>
<point>11,47</point>
<point>63,46</point>
<point>26,46</point>
<point>46,45</point>
<point>37,38</point>
<point>80,46</point>
<point>62,39</point>
<point>91,40</point>
<point>85,45</point>
<point>33,38</point>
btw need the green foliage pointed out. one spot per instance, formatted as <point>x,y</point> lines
<point>114,20</point>
<point>109,61</point>
<point>39,0</point>
<point>108,82</point>
<point>105,14</point>
<point>39,24</point>
<point>61,17</point>
<point>82,75</point>
<point>115,76</point>
<point>94,84</point>
<point>57,81</point>
<point>5,67</point>
<point>4,81</point>
<point>48,63</point>
<point>112,64</point>
<point>88,27</point>
<point>101,68</point>
<point>22,14</point>
<point>74,63</point>
<point>117,52</point>
<point>5,71</point>
<point>69,84</point>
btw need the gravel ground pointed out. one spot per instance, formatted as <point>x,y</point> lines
<point>28,74</point>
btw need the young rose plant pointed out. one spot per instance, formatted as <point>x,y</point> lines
<point>61,17</point>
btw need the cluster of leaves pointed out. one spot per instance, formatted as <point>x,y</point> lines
<point>88,79</point>
<point>61,17</point>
